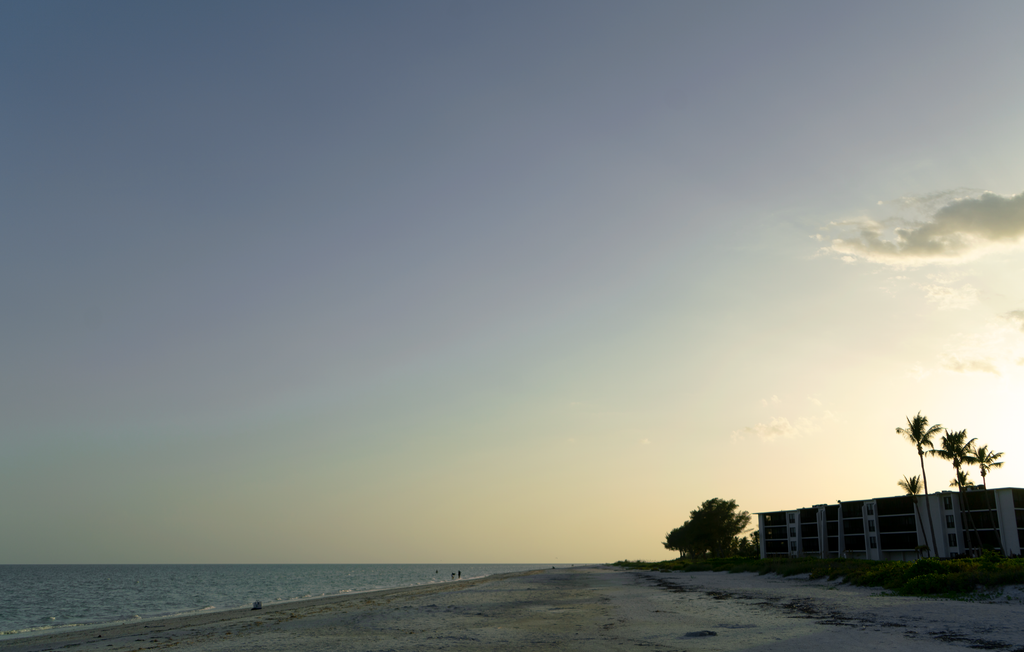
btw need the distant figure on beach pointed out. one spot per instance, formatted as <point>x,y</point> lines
<point>460,575</point>
<point>453,575</point>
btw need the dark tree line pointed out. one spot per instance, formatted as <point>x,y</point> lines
<point>713,530</point>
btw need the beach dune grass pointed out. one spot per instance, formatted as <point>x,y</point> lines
<point>934,577</point>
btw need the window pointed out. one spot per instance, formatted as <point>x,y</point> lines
<point>792,546</point>
<point>871,526</point>
<point>949,521</point>
<point>873,544</point>
<point>947,502</point>
<point>871,510</point>
<point>792,518</point>
<point>792,532</point>
<point>952,540</point>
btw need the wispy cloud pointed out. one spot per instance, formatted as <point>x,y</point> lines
<point>994,349</point>
<point>1016,317</point>
<point>991,350</point>
<point>960,230</point>
<point>949,298</point>
<point>953,362</point>
<point>782,428</point>
<point>777,428</point>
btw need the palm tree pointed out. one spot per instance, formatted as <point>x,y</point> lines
<point>961,480</point>
<point>912,486</point>
<point>920,435</point>
<point>986,461</point>
<point>955,448</point>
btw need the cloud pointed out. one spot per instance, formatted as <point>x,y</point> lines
<point>777,428</point>
<point>946,277</point>
<point>1016,317</point>
<point>991,350</point>
<point>949,298</point>
<point>960,230</point>
<point>792,427</point>
<point>984,365</point>
<point>774,400</point>
<point>782,428</point>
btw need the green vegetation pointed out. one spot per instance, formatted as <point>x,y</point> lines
<point>713,529</point>
<point>931,577</point>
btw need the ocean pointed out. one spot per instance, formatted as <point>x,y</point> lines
<point>37,598</point>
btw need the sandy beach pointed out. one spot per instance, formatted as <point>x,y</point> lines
<point>591,608</point>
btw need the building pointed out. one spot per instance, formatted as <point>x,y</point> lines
<point>895,528</point>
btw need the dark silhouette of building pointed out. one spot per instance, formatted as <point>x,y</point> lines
<point>896,528</point>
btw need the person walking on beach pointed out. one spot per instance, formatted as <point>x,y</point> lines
<point>460,575</point>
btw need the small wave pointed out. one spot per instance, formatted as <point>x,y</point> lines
<point>41,628</point>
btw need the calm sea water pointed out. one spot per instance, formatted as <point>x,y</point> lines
<point>36,598</point>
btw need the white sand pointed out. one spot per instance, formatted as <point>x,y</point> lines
<point>596,608</point>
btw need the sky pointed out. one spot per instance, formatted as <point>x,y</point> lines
<point>468,282</point>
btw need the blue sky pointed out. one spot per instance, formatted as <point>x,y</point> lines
<point>290,282</point>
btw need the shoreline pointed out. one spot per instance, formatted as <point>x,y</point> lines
<point>82,605</point>
<point>199,617</point>
<point>579,608</point>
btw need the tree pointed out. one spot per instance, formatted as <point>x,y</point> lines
<point>686,540</point>
<point>912,486</point>
<point>751,547</point>
<point>920,435</point>
<point>716,522</point>
<point>677,540</point>
<point>712,529</point>
<point>955,448</point>
<point>961,480</point>
<point>986,461</point>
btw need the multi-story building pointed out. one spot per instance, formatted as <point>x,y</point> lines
<point>897,527</point>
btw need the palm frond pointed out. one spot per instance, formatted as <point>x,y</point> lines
<point>961,480</point>
<point>986,459</point>
<point>911,485</point>
<point>918,433</point>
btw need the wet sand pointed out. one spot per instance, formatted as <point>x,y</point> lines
<point>595,608</point>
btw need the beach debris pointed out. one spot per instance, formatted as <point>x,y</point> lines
<point>703,632</point>
<point>256,605</point>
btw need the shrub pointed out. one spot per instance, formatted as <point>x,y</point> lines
<point>950,577</point>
